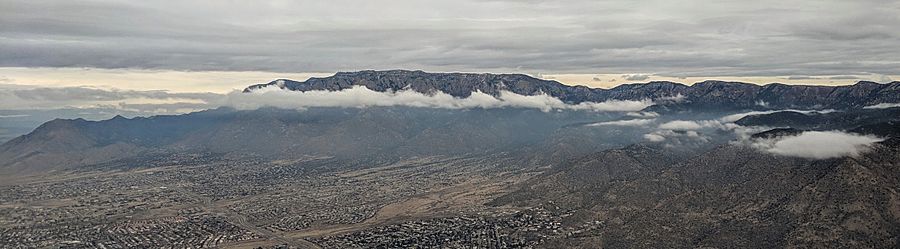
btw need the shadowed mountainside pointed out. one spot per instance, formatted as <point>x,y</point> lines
<point>821,121</point>
<point>374,134</point>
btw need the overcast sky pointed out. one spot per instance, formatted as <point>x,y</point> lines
<point>141,49</point>
<point>670,38</point>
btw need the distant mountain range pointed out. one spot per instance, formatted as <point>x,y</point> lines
<point>706,94</point>
<point>387,133</point>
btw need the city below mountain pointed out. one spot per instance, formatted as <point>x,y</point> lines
<point>383,159</point>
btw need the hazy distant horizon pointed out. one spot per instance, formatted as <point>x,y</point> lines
<point>226,81</point>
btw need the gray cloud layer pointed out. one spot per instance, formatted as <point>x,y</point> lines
<point>818,144</point>
<point>627,122</point>
<point>360,96</point>
<point>668,38</point>
<point>19,97</point>
<point>883,106</point>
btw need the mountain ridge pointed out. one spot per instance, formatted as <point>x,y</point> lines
<point>709,93</point>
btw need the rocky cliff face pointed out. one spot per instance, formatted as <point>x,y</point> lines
<point>456,84</point>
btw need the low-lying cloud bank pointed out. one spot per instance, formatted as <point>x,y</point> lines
<point>686,125</point>
<point>662,135</point>
<point>654,137</point>
<point>738,116</point>
<point>882,106</point>
<point>360,96</point>
<point>629,122</point>
<point>689,131</point>
<point>642,114</point>
<point>153,102</point>
<point>818,144</point>
<point>809,144</point>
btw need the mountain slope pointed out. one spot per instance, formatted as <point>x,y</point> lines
<point>373,134</point>
<point>731,196</point>
<point>60,144</point>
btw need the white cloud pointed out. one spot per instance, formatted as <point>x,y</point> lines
<point>818,144</point>
<point>680,125</point>
<point>683,125</point>
<point>638,77</point>
<point>677,98</point>
<point>745,132</point>
<point>882,106</point>
<point>677,138</point>
<point>738,116</point>
<point>630,122</point>
<point>608,106</point>
<point>642,114</point>
<point>692,134</point>
<point>653,137</point>
<point>686,132</point>
<point>360,96</point>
